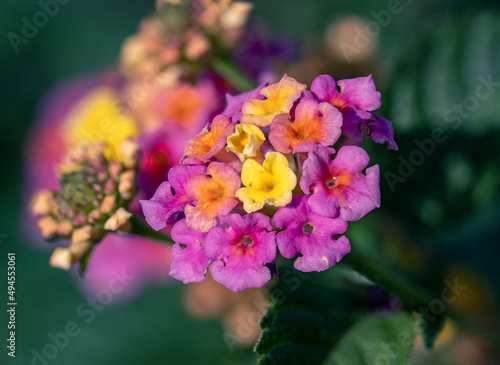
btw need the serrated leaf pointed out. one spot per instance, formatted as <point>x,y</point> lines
<point>297,325</point>
<point>307,318</point>
<point>377,339</point>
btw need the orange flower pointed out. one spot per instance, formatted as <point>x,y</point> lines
<point>208,143</point>
<point>214,195</point>
<point>315,123</point>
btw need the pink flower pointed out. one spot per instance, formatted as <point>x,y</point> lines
<point>126,266</point>
<point>379,129</point>
<point>339,186</point>
<point>311,235</point>
<point>356,100</point>
<point>241,248</point>
<point>189,263</point>
<point>182,107</point>
<point>160,152</point>
<point>170,198</point>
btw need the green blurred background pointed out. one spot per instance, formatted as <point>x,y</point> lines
<point>443,219</point>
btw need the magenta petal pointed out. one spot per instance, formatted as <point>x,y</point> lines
<point>286,241</point>
<point>237,277</point>
<point>325,257</point>
<point>165,205</point>
<point>162,208</point>
<point>253,221</point>
<point>352,131</point>
<point>341,184</point>
<point>363,196</point>
<point>353,120</point>
<point>189,263</point>
<point>308,95</point>
<point>361,93</point>
<point>311,235</point>
<point>241,248</point>
<point>323,203</point>
<point>219,234</point>
<point>234,103</point>
<point>381,131</point>
<point>324,87</point>
<point>316,163</point>
<point>351,158</point>
<point>315,123</point>
<point>180,174</point>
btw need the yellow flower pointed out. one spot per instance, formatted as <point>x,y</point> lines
<point>98,118</point>
<point>246,141</point>
<point>271,183</point>
<point>279,100</point>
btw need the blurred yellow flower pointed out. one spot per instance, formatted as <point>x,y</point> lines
<point>98,118</point>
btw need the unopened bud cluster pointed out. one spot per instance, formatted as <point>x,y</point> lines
<point>181,33</point>
<point>93,196</point>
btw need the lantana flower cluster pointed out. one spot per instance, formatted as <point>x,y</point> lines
<point>264,176</point>
<point>165,91</point>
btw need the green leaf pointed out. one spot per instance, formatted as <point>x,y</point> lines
<point>375,340</point>
<point>308,317</point>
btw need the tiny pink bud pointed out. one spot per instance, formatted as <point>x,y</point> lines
<point>109,186</point>
<point>79,220</point>
<point>114,169</point>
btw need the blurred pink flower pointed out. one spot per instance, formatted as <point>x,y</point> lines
<point>134,261</point>
<point>148,262</point>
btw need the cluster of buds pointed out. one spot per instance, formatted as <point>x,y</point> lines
<point>92,200</point>
<point>271,151</point>
<point>183,32</point>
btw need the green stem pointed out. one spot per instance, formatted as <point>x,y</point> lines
<point>412,295</point>
<point>232,74</point>
<point>141,229</point>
